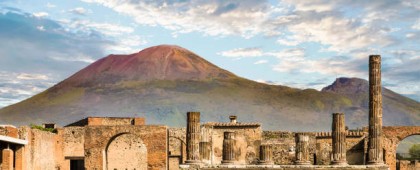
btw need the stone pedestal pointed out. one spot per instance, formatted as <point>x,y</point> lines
<point>302,149</point>
<point>7,159</point>
<point>338,140</point>
<point>375,153</point>
<point>193,138</point>
<point>228,148</point>
<point>266,155</point>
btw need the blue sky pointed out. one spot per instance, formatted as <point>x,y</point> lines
<point>298,43</point>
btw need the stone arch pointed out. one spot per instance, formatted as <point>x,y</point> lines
<point>178,147</point>
<point>393,135</point>
<point>126,151</point>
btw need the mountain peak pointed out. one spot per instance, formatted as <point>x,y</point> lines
<point>344,85</point>
<point>162,62</point>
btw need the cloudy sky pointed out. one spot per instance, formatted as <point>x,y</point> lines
<point>298,43</point>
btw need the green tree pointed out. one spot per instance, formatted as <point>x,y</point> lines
<point>414,151</point>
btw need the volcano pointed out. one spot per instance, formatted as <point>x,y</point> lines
<point>163,82</point>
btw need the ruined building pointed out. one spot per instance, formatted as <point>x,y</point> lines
<point>97,143</point>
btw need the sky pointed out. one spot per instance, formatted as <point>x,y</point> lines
<point>297,43</point>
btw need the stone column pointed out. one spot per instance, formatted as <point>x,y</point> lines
<point>338,139</point>
<point>7,159</point>
<point>302,149</point>
<point>228,148</point>
<point>205,149</point>
<point>266,155</point>
<point>193,138</point>
<point>20,158</point>
<point>375,155</point>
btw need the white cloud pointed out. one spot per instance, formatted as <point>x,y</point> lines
<point>50,5</point>
<point>258,52</point>
<point>261,62</point>
<point>80,11</point>
<point>242,52</point>
<point>73,58</point>
<point>105,28</point>
<point>41,28</point>
<point>40,14</point>
<point>127,45</point>
<point>15,86</point>
<point>26,76</point>
<point>216,18</point>
<point>416,25</point>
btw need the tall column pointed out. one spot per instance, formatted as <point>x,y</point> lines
<point>193,138</point>
<point>302,149</point>
<point>228,148</point>
<point>7,159</point>
<point>20,158</point>
<point>375,155</point>
<point>338,140</point>
<point>266,155</point>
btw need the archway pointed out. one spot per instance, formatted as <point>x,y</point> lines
<point>126,151</point>
<point>393,135</point>
<point>404,157</point>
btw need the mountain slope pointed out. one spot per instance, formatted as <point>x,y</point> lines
<point>163,82</point>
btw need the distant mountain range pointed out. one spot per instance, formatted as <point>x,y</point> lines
<point>163,82</point>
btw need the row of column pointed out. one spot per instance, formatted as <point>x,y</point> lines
<point>12,160</point>
<point>197,149</point>
<point>374,155</point>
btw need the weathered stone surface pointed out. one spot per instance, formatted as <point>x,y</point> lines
<point>247,140</point>
<point>7,159</point>
<point>228,148</point>
<point>266,155</point>
<point>375,152</point>
<point>338,140</point>
<point>286,167</point>
<point>302,149</point>
<point>73,141</point>
<point>193,137</point>
<point>393,135</point>
<point>98,138</point>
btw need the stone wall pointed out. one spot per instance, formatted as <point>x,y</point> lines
<point>98,138</point>
<point>355,145</point>
<point>73,142</point>
<point>177,147</point>
<point>9,131</point>
<point>283,143</point>
<point>393,135</point>
<point>43,151</point>
<point>408,165</point>
<point>109,121</point>
<point>247,143</point>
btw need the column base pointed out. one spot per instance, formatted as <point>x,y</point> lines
<point>227,162</point>
<point>339,163</point>
<point>302,162</point>
<point>265,163</point>
<point>192,162</point>
<point>375,163</point>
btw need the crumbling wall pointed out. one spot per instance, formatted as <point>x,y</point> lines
<point>247,142</point>
<point>177,147</point>
<point>73,141</point>
<point>355,145</point>
<point>97,138</point>
<point>284,144</point>
<point>44,150</point>
<point>408,165</point>
<point>9,131</point>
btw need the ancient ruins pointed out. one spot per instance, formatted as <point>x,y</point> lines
<point>110,143</point>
